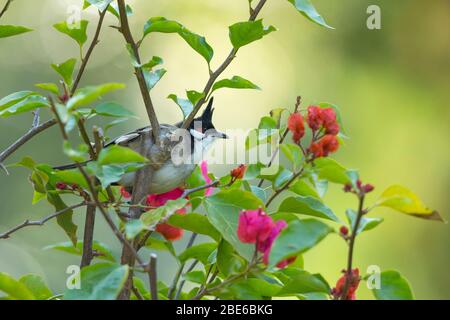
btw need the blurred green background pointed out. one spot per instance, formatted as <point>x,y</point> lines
<point>393,86</point>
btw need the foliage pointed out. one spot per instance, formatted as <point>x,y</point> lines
<point>233,211</point>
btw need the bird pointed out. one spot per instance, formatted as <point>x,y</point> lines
<point>188,150</point>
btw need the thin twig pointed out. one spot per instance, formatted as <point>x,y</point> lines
<point>214,75</point>
<point>5,8</point>
<point>152,276</point>
<point>283,137</point>
<point>179,272</point>
<point>137,293</point>
<point>85,60</point>
<point>188,192</point>
<point>125,29</point>
<point>41,222</point>
<point>182,283</point>
<point>351,245</point>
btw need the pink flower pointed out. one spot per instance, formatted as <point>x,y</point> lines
<point>265,246</point>
<point>204,169</point>
<point>125,193</point>
<point>254,226</point>
<point>158,200</point>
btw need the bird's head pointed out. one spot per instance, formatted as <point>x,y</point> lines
<point>202,128</point>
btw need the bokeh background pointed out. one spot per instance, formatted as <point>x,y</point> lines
<point>393,86</point>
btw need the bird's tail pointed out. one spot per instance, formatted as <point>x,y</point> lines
<point>70,166</point>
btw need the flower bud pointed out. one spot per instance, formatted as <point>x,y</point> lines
<point>343,230</point>
<point>296,126</point>
<point>238,173</point>
<point>61,186</point>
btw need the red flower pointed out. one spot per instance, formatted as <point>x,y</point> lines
<point>238,173</point>
<point>296,126</point>
<point>328,144</point>
<point>157,200</point>
<point>61,186</point>
<point>353,285</point>
<point>343,230</point>
<point>254,226</point>
<point>169,232</point>
<point>125,193</point>
<point>314,118</point>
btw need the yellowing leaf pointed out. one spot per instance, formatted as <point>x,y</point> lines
<point>403,200</point>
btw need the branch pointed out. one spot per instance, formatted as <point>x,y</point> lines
<point>125,29</point>
<point>188,192</point>
<point>35,130</point>
<point>214,75</point>
<point>88,236</point>
<point>85,60</point>
<point>152,276</point>
<point>348,278</point>
<point>5,8</point>
<point>41,222</point>
<point>283,137</point>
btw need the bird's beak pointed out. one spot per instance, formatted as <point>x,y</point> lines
<point>221,135</point>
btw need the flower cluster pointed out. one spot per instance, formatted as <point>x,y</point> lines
<point>360,189</point>
<point>354,280</point>
<point>324,126</point>
<point>256,227</point>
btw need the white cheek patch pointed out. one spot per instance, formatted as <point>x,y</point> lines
<point>197,135</point>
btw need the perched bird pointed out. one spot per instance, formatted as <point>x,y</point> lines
<point>188,149</point>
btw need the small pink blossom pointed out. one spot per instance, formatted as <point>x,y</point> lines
<point>254,226</point>
<point>204,170</point>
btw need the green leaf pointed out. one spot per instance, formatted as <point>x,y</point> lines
<point>393,287</point>
<point>100,4</point>
<point>153,216</point>
<point>102,281</point>
<point>297,238</point>
<point>200,252</point>
<point>293,153</point>
<point>88,95</point>
<point>157,242</point>
<point>153,77</point>
<point>228,261</point>
<point>133,228</point>
<point>307,9</point>
<point>276,114</point>
<point>196,223</point>
<point>404,200</point>
<point>307,205</point>
<point>29,103</point>
<point>194,96</point>
<point>195,277</point>
<point>77,155</point>
<point>14,289</point>
<point>195,41</point>
<point>330,170</point>
<point>223,212</point>
<point>77,34</point>
<point>302,188</point>
<point>235,83</point>
<point>9,31</point>
<point>243,33</point>
<point>258,288</point>
<point>117,155</point>
<point>14,98</point>
<point>65,70</point>
<point>64,220</point>
<point>365,223</point>
<point>301,282</point>
<point>185,105</point>
<point>113,7</point>
<point>51,87</point>
<point>71,176</point>
<point>36,286</point>
<point>102,250</point>
<point>112,109</point>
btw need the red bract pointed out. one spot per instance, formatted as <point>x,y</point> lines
<point>254,226</point>
<point>314,118</point>
<point>238,173</point>
<point>61,186</point>
<point>353,285</point>
<point>343,230</point>
<point>328,144</point>
<point>368,188</point>
<point>157,200</point>
<point>169,232</point>
<point>296,126</point>
<point>125,193</point>
<point>330,124</point>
